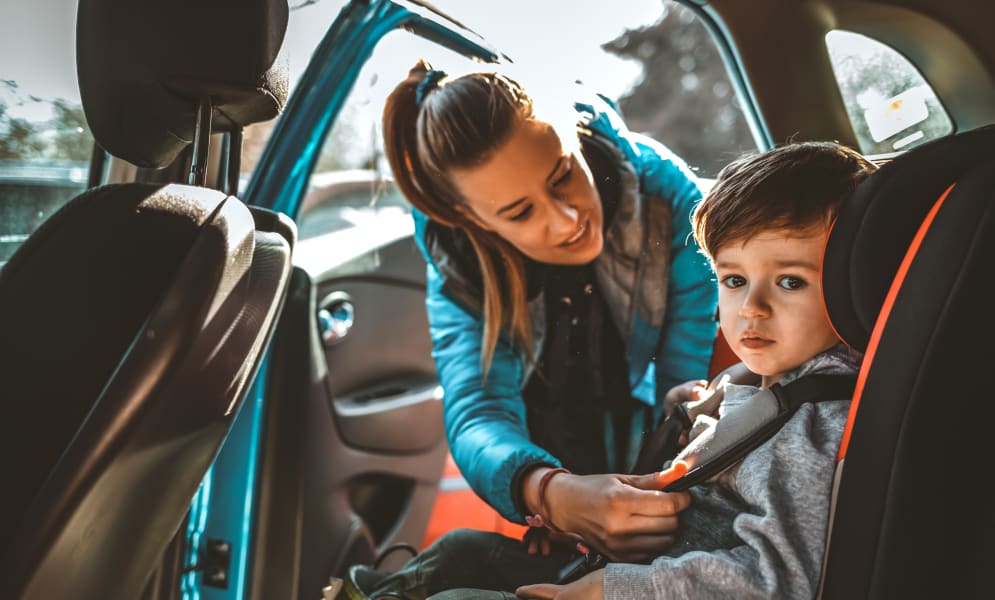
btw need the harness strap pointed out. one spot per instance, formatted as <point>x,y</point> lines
<point>736,434</point>
<point>754,422</point>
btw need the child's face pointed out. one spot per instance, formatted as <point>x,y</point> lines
<point>770,300</point>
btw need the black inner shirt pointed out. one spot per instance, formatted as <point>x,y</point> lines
<point>581,376</point>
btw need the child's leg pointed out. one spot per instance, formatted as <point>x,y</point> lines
<point>466,558</point>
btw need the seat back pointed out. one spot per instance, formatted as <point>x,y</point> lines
<point>135,317</point>
<point>905,278</point>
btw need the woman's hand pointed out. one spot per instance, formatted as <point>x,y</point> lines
<point>702,397</point>
<point>540,540</point>
<point>689,391</point>
<point>625,517</point>
<point>588,587</point>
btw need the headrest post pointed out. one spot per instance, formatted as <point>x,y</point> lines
<point>231,162</point>
<point>201,143</point>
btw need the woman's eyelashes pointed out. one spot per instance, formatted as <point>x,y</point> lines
<point>561,181</point>
<point>564,177</point>
<point>522,214</point>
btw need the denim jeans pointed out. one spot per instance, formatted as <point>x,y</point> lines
<point>481,565</point>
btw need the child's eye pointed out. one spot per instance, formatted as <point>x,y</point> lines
<point>522,214</point>
<point>791,283</point>
<point>733,281</point>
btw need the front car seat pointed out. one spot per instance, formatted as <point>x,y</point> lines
<point>907,277</point>
<point>133,320</point>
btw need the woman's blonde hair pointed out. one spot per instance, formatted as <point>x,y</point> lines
<point>433,125</point>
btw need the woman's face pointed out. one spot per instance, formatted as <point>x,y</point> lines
<point>537,195</point>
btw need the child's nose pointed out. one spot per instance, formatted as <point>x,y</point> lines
<point>754,305</point>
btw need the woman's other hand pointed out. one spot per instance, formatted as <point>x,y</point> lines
<point>588,587</point>
<point>540,540</point>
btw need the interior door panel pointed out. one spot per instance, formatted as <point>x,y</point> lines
<point>372,446</point>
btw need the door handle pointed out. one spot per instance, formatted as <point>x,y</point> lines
<point>335,318</point>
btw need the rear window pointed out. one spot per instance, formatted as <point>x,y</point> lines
<point>891,107</point>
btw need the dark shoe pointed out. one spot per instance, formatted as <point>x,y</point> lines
<point>361,580</point>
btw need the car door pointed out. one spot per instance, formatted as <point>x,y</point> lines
<point>340,452</point>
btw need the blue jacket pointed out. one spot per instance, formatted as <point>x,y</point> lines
<point>664,311</point>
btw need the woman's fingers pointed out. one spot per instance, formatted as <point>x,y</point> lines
<point>588,587</point>
<point>602,510</point>
<point>659,480</point>
<point>538,591</point>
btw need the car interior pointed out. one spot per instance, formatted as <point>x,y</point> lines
<point>236,413</point>
<point>109,433</point>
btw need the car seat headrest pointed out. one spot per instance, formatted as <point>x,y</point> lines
<point>143,65</point>
<point>878,222</point>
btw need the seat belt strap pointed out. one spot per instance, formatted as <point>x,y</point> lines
<point>750,424</point>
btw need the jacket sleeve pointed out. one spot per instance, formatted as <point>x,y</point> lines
<point>689,329</point>
<point>484,420</point>
<point>785,488</point>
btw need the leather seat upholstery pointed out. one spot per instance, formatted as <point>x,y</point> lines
<point>133,320</point>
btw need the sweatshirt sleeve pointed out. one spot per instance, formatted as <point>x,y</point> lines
<point>780,530</point>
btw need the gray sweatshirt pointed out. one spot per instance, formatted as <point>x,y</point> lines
<point>758,530</point>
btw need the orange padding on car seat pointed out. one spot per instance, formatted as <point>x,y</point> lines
<point>882,319</point>
<point>722,356</point>
<point>822,275</point>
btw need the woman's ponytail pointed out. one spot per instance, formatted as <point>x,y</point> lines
<point>428,130</point>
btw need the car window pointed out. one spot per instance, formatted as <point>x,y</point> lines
<point>683,95</point>
<point>661,66</point>
<point>45,144</point>
<point>890,105</point>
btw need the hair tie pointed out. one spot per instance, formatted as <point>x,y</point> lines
<point>427,84</point>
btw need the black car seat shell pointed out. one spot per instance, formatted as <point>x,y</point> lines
<point>134,319</point>
<point>906,278</point>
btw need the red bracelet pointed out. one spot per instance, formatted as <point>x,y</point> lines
<point>538,519</point>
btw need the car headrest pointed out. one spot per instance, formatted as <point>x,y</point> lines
<point>144,64</point>
<point>878,222</point>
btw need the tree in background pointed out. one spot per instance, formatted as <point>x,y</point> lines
<point>18,138</point>
<point>65,136</point>
<point>72,139</point>
<point>685,98</point>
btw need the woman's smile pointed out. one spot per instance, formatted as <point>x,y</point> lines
<point>579,237</point>
<point>538,195</point>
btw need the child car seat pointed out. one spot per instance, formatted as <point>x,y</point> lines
<point>906,275</point>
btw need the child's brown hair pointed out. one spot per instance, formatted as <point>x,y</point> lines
<point>796,186</point>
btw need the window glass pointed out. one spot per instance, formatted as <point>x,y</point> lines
<point>307,24</point>
<point>45,144</point>
<point>657,61</point>
<point>683,95</point>
<point>890,105</point>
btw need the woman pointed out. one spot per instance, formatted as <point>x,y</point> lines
<point>565,296</point>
